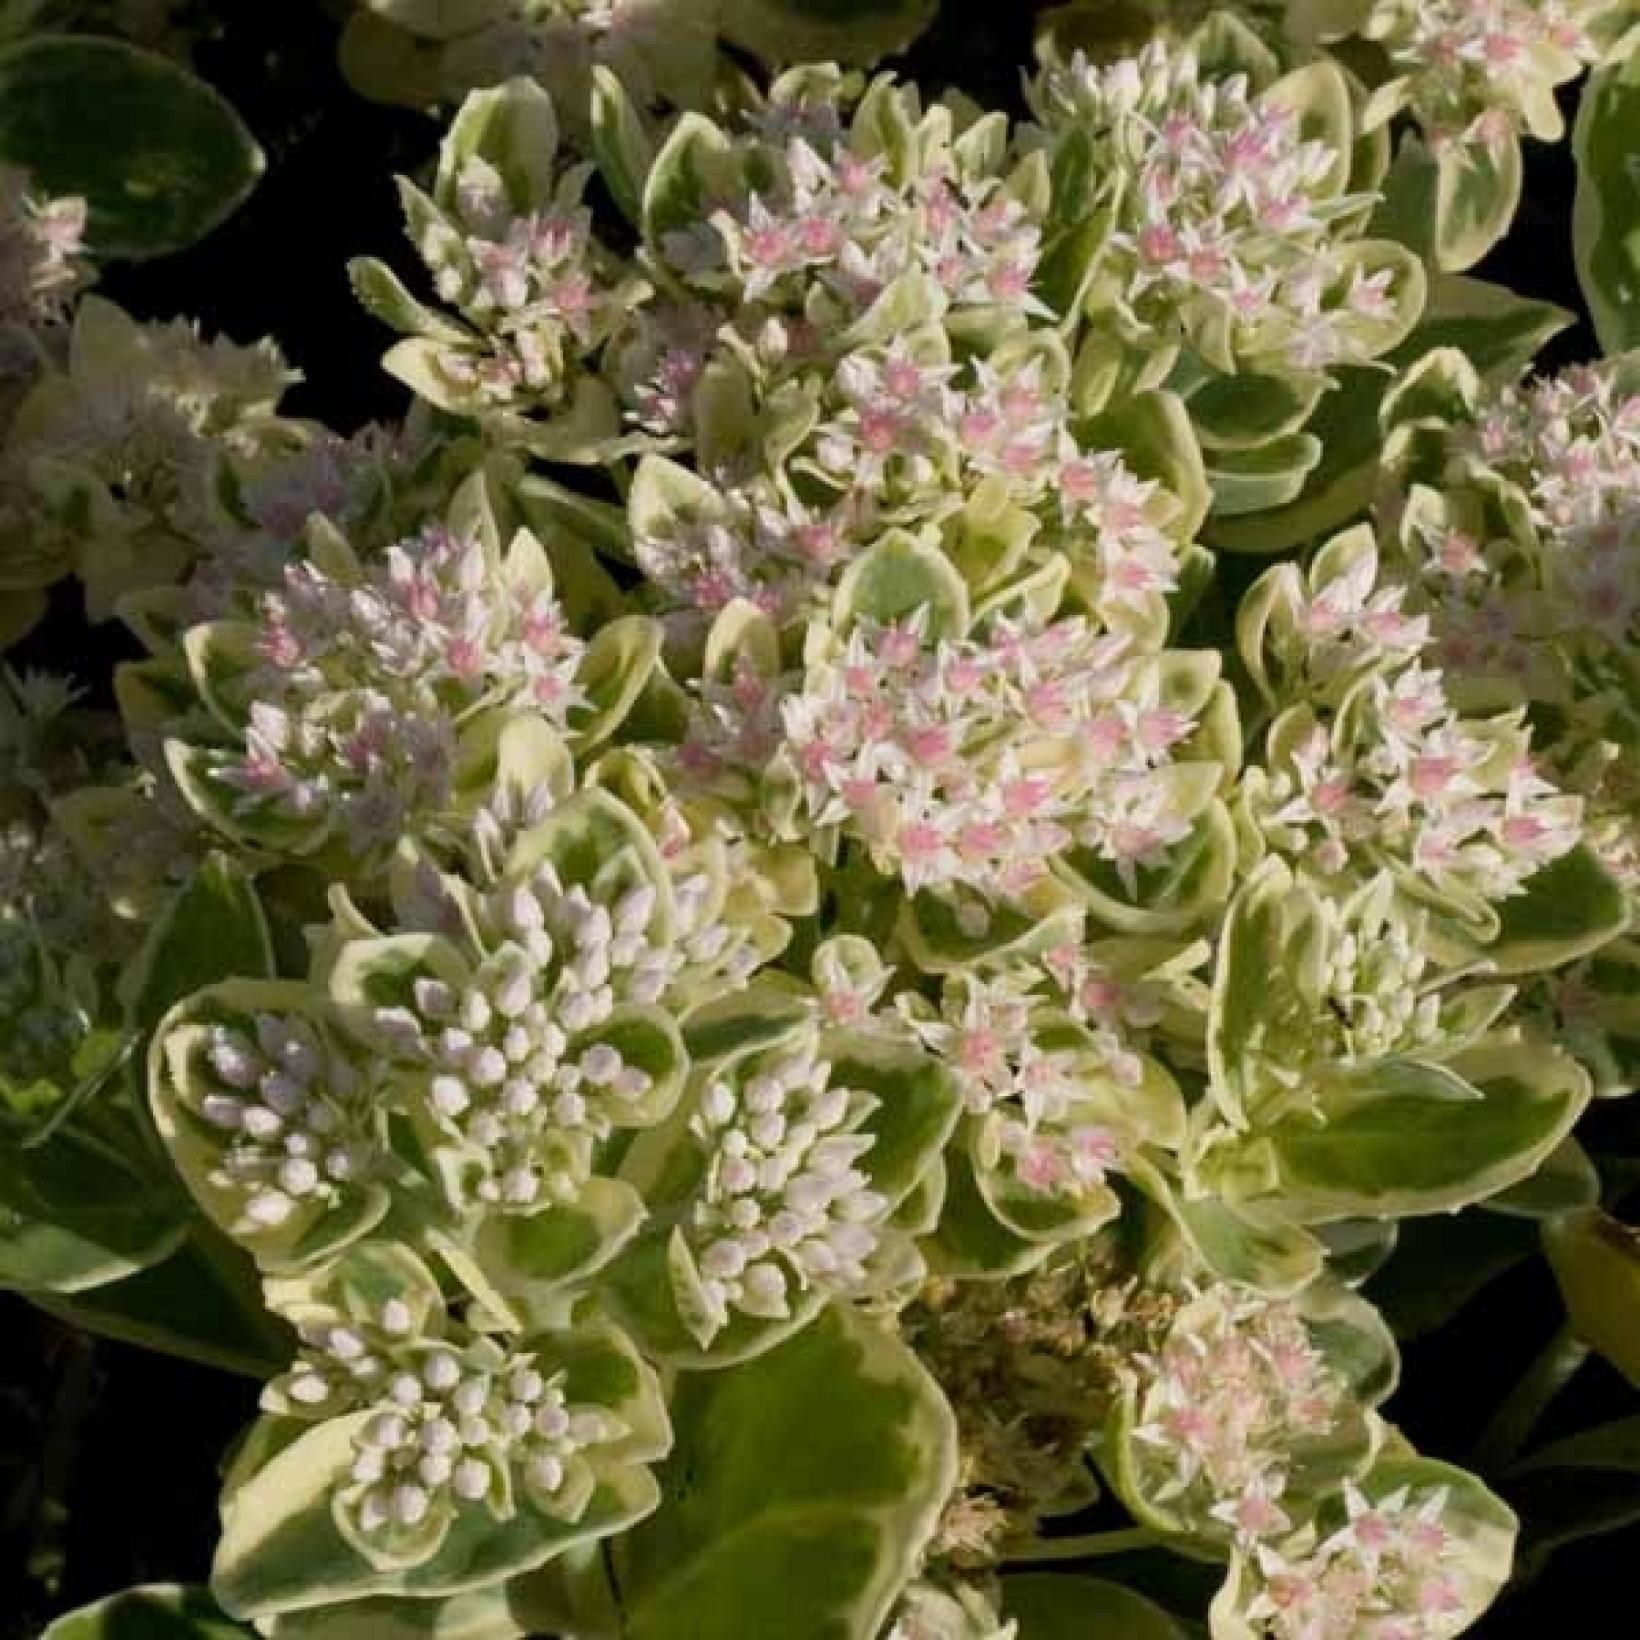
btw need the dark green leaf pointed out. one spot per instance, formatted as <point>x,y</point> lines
<point>159,157</point>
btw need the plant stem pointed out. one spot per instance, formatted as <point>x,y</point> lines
<point>1509,1428</point>
<point>1088,1546</point>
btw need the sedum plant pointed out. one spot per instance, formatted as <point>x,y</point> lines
<point>744,961</point>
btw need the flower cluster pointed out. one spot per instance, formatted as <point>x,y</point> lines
<point>344,703</point>
<point>977,763</point>
<point>1230,226</point>
<point>527,1034</point>
<point>1223,1411</point>
<point>1480,73</point>
<point>116,452</point>
<point>1392,1571</point>
<point>538,295</point>
<point>1400,775</point>
<point>899,431</point>
<point>1531,549</point>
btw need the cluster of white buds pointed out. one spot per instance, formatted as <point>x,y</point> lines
<point>290,1109</point>
<point>515,1067</point>
<point>1388,1573</point>
<point>977,762</point>
<point>41,255</point>
<point>1373,978</point>
<point>538,289</point>
<point>1223,1405</point>
<point>1226,217</point>
<point>785,1203</point>
<point>451,1426</point>
<point>363,681</point>
<point>1458,800</point>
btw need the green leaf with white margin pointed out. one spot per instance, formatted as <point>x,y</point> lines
<point>1453,208</point>
<point>618,663</point>
<point>482,1614</point>
<point>282,1548</point>
<point>1498,332</point>
<point>897,576</point>
<point>1239,1245</point>
<point>74,1214</point>
<point>1569,908</point>
<point>512,128</point>
<point>1060,1606</point>
<point>1606,208</point>
<point>1236,412</point>
<point>435,19</point>
<point>157,1611</point>
<point>620,144</point>
<point>693,163</point>
<point>159,157</point>
<point>381,293</point>
<point>1268,475</point>
<point>1477,191</point>
<point>1268,959</point>
<point>213,929</point>
<point>761,1531</point>
<point>535,1256</point>
<point>970,1240</point>
<point>1566,1182</point>
<point>1596,1260</point>
<point>1417,1138</point>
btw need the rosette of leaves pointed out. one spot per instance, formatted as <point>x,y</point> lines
<point>1352,1075</point>
<point>406,1454</point>
<point>1474,83</point>
<point>510,246</point>
<point>421,52</point>
<point>1208,231</point>
<point>375,700</point>
<point>799,1166</point>
<point>526,1022</point>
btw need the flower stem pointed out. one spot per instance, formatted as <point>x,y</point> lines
<point>1086,1547</point>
